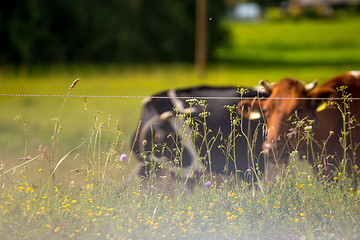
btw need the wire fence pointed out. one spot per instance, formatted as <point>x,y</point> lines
<point>162,97</point>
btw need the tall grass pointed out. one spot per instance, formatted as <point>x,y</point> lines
<point>97,206</point>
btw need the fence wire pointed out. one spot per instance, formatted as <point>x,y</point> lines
<point>161,97</point>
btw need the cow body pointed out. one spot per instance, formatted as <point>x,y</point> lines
<point>291,121</point>
<point>164,138</point>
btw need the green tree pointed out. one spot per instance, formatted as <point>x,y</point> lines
<point>103,31</point>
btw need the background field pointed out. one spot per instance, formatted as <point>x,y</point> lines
<point>91,202</point>
<point>305,50</point>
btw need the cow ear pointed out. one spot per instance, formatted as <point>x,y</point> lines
<point>321,104</point>
<point>249,109</point>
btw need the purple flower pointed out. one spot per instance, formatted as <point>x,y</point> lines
<point>208,184</point>
<point>123,157</point>
<point>248,170</point>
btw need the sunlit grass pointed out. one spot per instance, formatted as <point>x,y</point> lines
<point>305,42</point>
<point>90,202</point>
<point>114,80</point>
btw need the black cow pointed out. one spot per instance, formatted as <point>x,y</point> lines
<point>167,137</point>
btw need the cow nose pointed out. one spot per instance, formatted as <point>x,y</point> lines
<point>271,147</point>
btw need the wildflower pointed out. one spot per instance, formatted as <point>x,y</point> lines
<point>248,170</point>
<point>208,184</point>
<point>123,157</point>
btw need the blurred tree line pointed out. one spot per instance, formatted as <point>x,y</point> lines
<point>42,31</point>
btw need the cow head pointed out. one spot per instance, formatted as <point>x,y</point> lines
<point>286,112</point>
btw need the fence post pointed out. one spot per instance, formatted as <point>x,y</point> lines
<point>200,39</point>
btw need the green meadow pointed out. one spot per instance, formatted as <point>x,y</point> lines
<point>84,198</point>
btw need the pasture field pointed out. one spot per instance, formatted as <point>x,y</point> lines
<point>77,123</point>
<point>302,42</point>
<point>85,198</point>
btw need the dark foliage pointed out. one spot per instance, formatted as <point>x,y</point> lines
<point>103,31</point>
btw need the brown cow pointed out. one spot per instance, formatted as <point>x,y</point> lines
<point>290,120</point>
